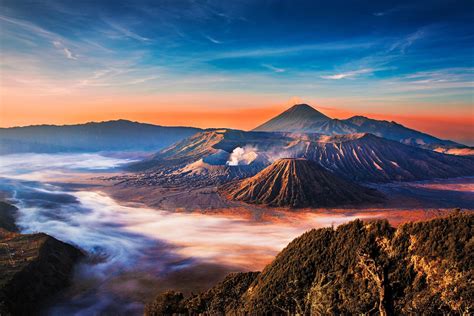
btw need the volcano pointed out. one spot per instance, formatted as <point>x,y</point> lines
<point>298,118</point>
<point>302,118</point>
<point>294,182</point>
<point>359,157</point>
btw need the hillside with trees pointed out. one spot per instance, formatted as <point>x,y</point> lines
<point>359,268</point>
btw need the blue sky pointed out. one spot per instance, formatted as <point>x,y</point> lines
<point>381,56</point>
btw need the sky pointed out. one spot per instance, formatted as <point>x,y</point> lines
<point>237,63</point>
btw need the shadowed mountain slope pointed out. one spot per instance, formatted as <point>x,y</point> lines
<point>296,183</point>
<point>8,213</point>
<point>368,158</point>
<point>358,268</point>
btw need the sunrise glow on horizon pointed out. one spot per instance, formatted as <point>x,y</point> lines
<point>221,64</point>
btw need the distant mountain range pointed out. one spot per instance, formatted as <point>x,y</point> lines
<point>360,268</point>
<point>123,135</point>
<point>302,118</point>
<point>297,182</point>
<point>120,135</point>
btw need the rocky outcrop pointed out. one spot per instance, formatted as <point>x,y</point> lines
<point>33,267</point>
<point>7,217</point>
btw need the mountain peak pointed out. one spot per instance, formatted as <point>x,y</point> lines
<point>306,110</point>
<point>301,106</point>
<point>296,119</point>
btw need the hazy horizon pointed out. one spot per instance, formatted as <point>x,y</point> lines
<point>409,123</point>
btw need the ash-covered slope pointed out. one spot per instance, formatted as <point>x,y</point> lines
<point>298,183</point>
<point>302,118</point>
<point>203,159</point>
<point>216,145</point>
<point>197,174</point>
<point>358,268</point>
<point>368,158</point>
<point>183,152</point>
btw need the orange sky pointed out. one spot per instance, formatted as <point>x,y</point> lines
<point>233,111</point>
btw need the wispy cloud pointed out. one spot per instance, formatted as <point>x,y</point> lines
<point>126,32</point>
<point>446,74</point>
<point>348,74</point>
<point>142,80</point>
<point>28,26</point>
<point>275,51</point>
<point>441,79</point>
<point>67,52</point>
<point>408,41</point>
<point>273,68</point>
<point>35,35</point>
<point>213,40</point>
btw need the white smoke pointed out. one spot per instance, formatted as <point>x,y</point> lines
<point>242,156</point>
<point>273,155</point>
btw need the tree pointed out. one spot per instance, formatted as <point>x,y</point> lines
<point>378,272</point>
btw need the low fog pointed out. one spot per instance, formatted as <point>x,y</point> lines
<point>134,247</point>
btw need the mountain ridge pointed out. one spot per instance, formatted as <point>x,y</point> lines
<point>285,122</point>
<point>124,121</point>
<point>361,157</point>
<point>114,135</point>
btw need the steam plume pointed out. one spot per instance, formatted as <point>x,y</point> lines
<point>242,156</point>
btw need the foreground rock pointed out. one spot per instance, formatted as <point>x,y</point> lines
<point>32,268</point>
<point>296,183</point>
<point>358,268</point>
<point>7,217</point>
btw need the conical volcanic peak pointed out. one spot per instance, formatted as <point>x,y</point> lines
<point>291,182</point>
<point>299,117</point>
<point>304,111</point>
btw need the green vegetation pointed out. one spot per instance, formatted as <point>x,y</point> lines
<point>358,268</point>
